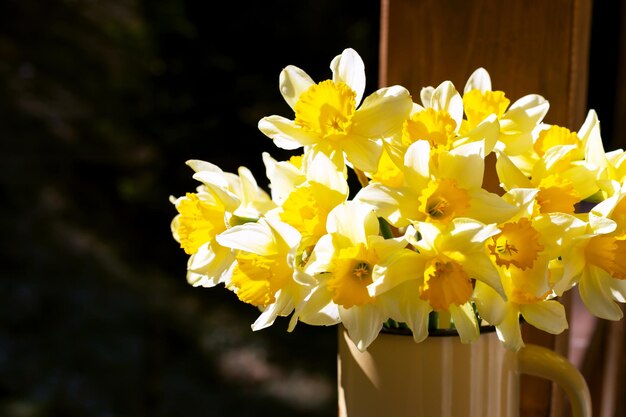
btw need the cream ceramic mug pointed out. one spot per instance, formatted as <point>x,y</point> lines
<point>442,377</point>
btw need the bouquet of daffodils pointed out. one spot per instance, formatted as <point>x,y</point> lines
<point>421,243</point>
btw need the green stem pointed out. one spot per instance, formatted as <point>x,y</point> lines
<point>385,228</point>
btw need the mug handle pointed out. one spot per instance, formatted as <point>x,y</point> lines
<point>539,361</point>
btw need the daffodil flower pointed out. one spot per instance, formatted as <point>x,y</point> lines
<point>522,252</point>
<point>307,194</point>
<point>517,121</point>
<point>596,260</point>
<point>222,200</point>
<point>451,189</point>
<point>266,273</point>
<point>243,198</point>
<point>345,261</point>
<point>330,118</point>
<point>448,261</point>
<point>564,166</point>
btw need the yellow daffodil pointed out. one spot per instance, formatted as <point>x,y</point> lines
<point>222,200</point>
<point>307,194</point>
<point>523,252</point>
<point>596,261</point>
<point>330,118</point>
<point>517,121</point>
<point>572,162</point>
<point>243,198</point>
<point>438,194</point>
<point>441,277</point>
<point>565,167</point>
<point>345,261</point>
<point>201,216</point>
<point>438,120</point>
<point>266,273</point>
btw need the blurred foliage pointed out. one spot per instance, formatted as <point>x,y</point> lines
<point>101,104</point>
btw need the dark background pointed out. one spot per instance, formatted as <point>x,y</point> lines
<point>101,104</point>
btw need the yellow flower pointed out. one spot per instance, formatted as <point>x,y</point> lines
<point>222,200</point>
<point>198,221</point>
<point>517,121</point>
<point>437,121</point>
<point>572,162</point>
<point>448,262</point>
<point>389,173</point>
<point>330,118</point>
<point>596,261</point>
<point>266,274</point>
<point>437,127</point>
<point>438,194</point>
<point>524,251</point>
<point>345,262</point>
<point>445,283</point>
<point>480,104</point>
<point>306,193</point>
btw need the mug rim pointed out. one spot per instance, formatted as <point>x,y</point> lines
<point>405,331</point>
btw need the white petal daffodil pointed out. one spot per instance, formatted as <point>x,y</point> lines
<point>448,262</point>
<point>523,252</point>
<point>330,118</point>
<point>564,165</point>
<point>266,274</point>
<point>345,261</point>
<point>517,121</point>
<point>306,195</point>
<point>223,199</point>
<point>596,260</point>
<point>452,188</point>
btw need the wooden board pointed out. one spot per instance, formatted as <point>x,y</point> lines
<point>527,46</point>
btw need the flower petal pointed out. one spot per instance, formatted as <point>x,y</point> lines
<point>405,265</point>
<point>479,80</point>
<point>350,69</point>
<point>510,175</point>
<point>595,291</point>
<point>488,207</point>
<point>447,98</point>
<point>509,331</point>
<point>250,237</point>
<point>589,133</point>
<point>548,316</point>
<point>401,304</point>
<point>524,114</point>
<point>480,267</point>
<point>281,307</point>
<point>210,266</point>
<point>362,323</point>
<point>285,134</point>
<point>382,112</point>
<point>465,322</point>
<point>491,306</point>
<point>317,309</point>
<point>363,152</point>
<point>293,82</point>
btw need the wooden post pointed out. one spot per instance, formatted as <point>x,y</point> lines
<point>527,46</point>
